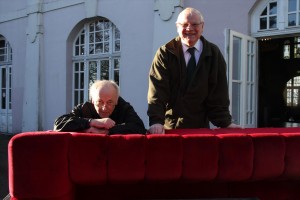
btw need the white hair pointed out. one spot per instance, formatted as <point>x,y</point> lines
<point>190,11</point>
<point>103,83</point>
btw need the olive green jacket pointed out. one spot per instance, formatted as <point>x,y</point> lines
<point>176,105</point>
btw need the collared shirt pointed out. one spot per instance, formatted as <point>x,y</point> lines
<point>198,50</point>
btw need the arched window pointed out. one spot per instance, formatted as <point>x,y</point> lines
<point>274,17</point>
<point>268,17</point>
<point>292,92</point>
<point>96,55</point>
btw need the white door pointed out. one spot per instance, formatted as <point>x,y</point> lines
<point>5,100</point>
<point>242,78</point>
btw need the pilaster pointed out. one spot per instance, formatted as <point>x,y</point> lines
<point>32,85</point>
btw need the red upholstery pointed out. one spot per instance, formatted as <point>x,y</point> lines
<point>190,163</point>
<point>38,166</point>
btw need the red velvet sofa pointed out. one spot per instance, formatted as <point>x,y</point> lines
<point>261,163</point>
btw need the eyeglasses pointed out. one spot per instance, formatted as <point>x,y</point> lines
<point>102,103</point>
<point>196,25</point>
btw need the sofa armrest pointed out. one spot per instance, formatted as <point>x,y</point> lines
<point>38,166</point>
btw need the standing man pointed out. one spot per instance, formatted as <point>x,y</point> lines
<point>107,113</point>
<point>187,80</point>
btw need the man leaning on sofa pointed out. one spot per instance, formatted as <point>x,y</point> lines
<point>106,113</point>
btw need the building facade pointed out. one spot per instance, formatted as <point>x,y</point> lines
<point>51,51</point>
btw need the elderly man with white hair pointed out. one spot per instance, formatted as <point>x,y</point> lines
<point>106,113</point>
<point>187,80</point>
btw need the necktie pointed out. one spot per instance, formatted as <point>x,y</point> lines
<point>191,65</point>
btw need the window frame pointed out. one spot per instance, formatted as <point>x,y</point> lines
<point>82,54</point>
<point>296,12</point>
<point>268,16</point>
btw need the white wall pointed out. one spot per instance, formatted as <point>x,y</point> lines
<point>140,25</point>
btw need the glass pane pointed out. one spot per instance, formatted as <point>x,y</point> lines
<point>250,95</point>
<point>106,35</point>
<point>81,50</point>
<point>9,100</point>
<point>273,8</point>
<point>292,5</point>
<point>76,50</point>
<point>116,64</point>
<point>250,47</point>
<point>117,45</point>
<point>286,52</point>
<point>249,119</point>
<point>236,102</point>
<point>236,59</point>
<point>263,23</point>
<point>273,22</point>
<point>116,76</point>
<point>104,70</point>
<point>289,97</point>
<point>10,58</point>
<point>99,36</point>
<point>82,40</point>
<point>297,51</point>
<point>9,81</point>
<point>76,67</point>
<point>106,47</point>
<point>92,72</point>
<point>292,19</point>
<point>116,70</point>
<point>99,48</point>
<point>76,98</point>
<point>107,24</point>
<point>91,49</point>
<point>265,12</point>
<point>117,34</point>
<point>81,100</point>
<point>292,91</point>
<point>2,43</point>
<point>82,66</point>
<point>250,71</point>
<point>3,77</point>
<point>289,83</point>
<point>92,38</point>
<point>92,27</point>
<point>296,81</point>
<point>81,80</point>
<point>295,97</point>
<point>99,26</point>
<point>76,80</point>
<point>3,105</point>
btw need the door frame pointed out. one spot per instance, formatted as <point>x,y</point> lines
<point>242,76</point>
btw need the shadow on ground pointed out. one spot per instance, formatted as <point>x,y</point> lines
<point>4,139</point>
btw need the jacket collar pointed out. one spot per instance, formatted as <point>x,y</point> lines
<point>175,46</point>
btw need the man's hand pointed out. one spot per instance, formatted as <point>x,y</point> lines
<point>96,130</point>
<point>232,125</point>
<point>156,129</point>
<point>106,123</point>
